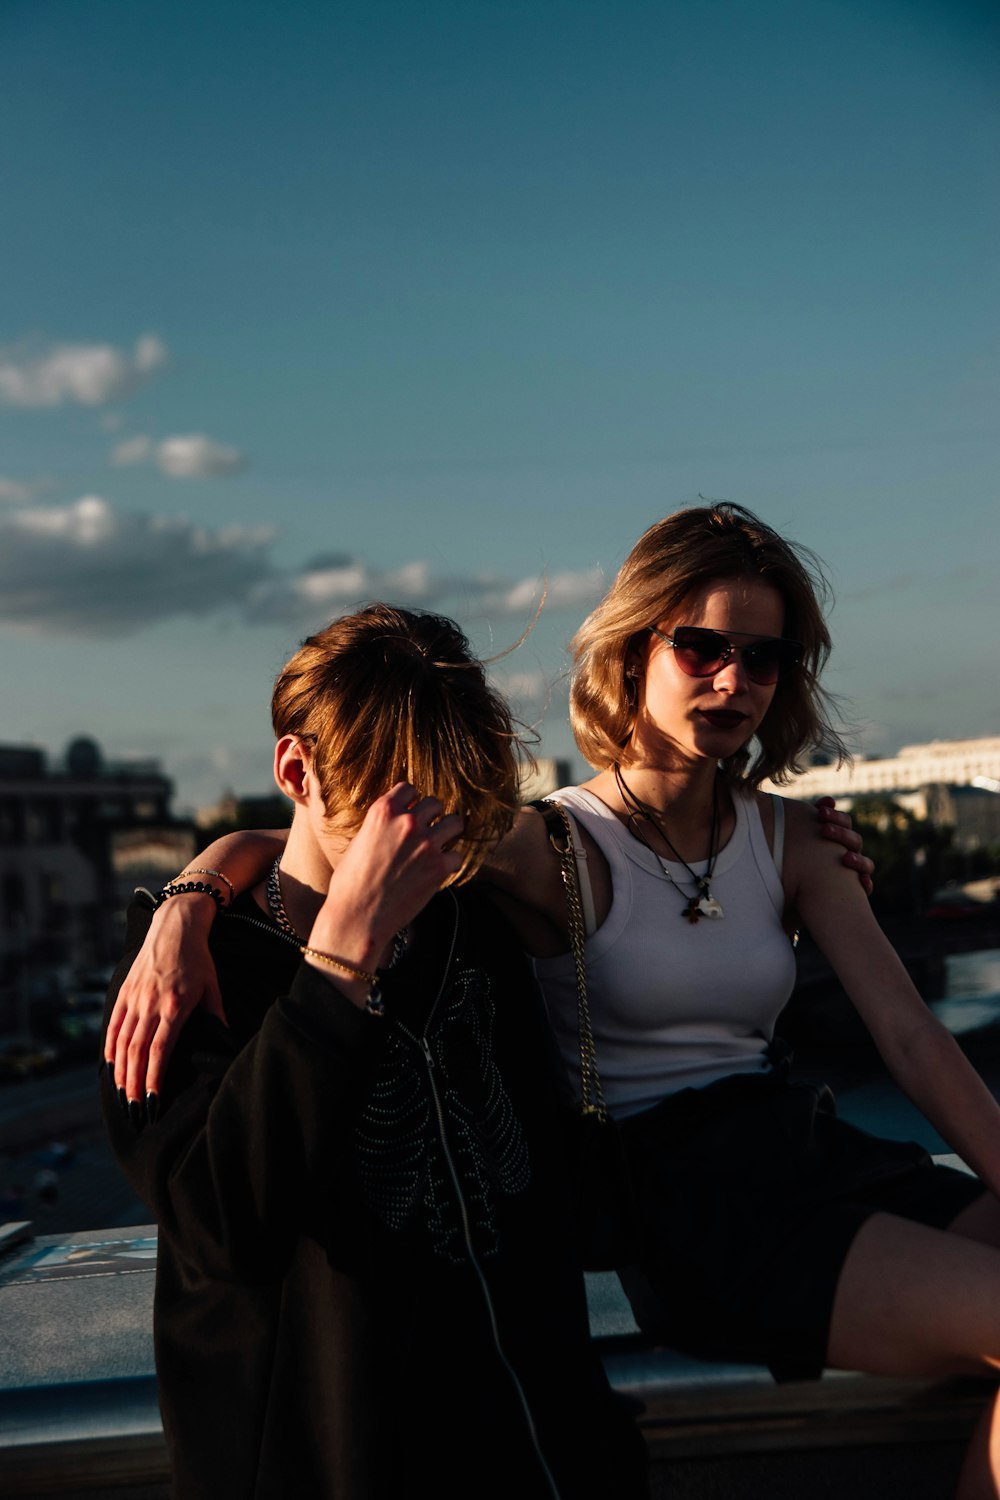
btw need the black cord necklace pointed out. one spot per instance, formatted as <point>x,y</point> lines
<point>702,903</point>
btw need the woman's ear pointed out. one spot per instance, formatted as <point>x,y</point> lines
<point>292,767</point>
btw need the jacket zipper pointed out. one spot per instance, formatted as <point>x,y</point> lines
<point>423,1043</point>
<point>238,916</point>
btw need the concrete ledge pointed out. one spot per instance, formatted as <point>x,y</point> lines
<point>83,1439</point>
<point>79,1419</point>
<point>692,1408</point>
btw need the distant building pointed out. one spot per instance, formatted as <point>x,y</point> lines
<point>274,810</point>
<point>270,810</point>
<point>954,783</point>
<point>548,776</point>
<point>74,840</point>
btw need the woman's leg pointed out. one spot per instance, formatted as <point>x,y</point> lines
<point>980,1221</point>
<point>918,1301</point>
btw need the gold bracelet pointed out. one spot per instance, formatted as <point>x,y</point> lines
<point>218,875</point>
<point>374,1004</point>
<point>338,963</point>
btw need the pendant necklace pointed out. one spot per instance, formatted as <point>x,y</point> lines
<point>702,903</point>
<point>276,906</point>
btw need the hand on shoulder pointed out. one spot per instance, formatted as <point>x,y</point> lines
<point>815,866</point>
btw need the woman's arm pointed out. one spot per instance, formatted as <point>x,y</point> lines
<point>232,1158</point>
<point>230,1162</point>
<point>922,1056</point>
<point>174,973</point>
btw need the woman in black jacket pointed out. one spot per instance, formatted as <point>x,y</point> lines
<point>366,1283</point>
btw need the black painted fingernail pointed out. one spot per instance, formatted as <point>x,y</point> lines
<point>152,1107</point>
<point>123,1101</point>
<point>135,1113</point>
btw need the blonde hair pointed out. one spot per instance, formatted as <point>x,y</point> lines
<point>388,695</point>
<point>673,559</point>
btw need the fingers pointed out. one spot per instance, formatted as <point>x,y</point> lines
<point>152,1053</point>
<point>837,825</point>
<point>862,866</point>
<point>842,833</point>
<point>118,1017</point>
<point>137,1056</point>
<point>427,814</point>
<point>137,1059</point>
<point>127,1045</point>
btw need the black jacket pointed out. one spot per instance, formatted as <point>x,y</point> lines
<point>365,1281</point>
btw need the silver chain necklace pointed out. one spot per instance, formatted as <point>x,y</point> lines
<point>276,906</point>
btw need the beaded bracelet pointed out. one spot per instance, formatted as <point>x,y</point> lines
<point>374,1004</point>
<point>185,887</point>
<point>196,870</point>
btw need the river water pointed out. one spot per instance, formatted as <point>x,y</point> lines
<point>972,991</point>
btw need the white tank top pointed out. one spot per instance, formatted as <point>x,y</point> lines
<point>674,1004</point>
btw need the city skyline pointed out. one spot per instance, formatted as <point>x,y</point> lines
<point>427,303</point>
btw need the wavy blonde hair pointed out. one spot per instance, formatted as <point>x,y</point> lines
<point>387,695</point>
<point>672,560</point>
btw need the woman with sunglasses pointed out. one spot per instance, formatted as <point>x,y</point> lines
<point>773,1231</point>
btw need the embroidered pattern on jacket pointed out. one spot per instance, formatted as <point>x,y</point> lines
<point>401,1161</point>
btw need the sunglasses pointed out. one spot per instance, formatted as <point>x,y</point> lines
<point>703,653</point>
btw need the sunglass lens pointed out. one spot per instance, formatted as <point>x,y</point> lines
<point>764,662</point>
<point>699,653</point>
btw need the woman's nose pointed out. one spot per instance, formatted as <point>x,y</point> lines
<point>731,676</point>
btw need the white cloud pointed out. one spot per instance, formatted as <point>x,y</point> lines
<point>34,375</point>
<point>133,450</point>
<point>17,491</point>
<point>189,456</point>
<point>194,456</point>
<point>568,590</point>
<point>88,569</point>
<point>532,695</point>
<point>325,587</point>
<point>150,353</point>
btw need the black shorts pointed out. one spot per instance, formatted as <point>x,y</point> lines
<point>750,1194</point>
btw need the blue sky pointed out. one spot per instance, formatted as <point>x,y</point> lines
<point>309,304</point>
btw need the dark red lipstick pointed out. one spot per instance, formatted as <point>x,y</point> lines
<point>723,718</point>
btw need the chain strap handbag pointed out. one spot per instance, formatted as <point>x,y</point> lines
<point>608,1230</point>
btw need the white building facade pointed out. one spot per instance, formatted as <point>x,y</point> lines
<point>940,763</point>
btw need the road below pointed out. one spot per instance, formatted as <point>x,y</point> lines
<point>55,1165</point>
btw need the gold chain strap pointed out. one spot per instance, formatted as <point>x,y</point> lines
<point>590,1078</point>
